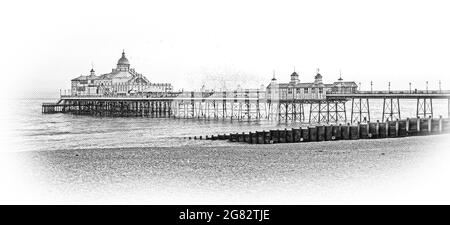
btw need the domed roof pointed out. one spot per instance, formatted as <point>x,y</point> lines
<point>123,60</point>
<point>317,75</point>
<point>294,74</point>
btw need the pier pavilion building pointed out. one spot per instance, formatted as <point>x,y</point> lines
<point>122,80</point>
<point>295,89</point>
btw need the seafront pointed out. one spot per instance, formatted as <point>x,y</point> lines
<point>295,173</point>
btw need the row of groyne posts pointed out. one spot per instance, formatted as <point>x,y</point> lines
<point>370,130</point>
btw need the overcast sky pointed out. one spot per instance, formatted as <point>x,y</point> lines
<point>47,43</point>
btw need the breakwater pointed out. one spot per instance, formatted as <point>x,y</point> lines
<point>388,129</point>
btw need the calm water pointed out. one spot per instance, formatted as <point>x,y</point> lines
<point>25,128</point>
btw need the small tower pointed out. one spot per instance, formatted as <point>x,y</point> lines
<point>340,76</point>
<point>273,88</point>
<point>274,80</point>
<point>92,70</point>
<point>294,78</point>
<point>318,77</point>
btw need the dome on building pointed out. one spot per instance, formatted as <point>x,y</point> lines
<point>294,78</point>
<point>123,60</point>
<point>318,76</point>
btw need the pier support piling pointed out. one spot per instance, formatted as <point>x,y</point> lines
<point>424,107</point>
<point>391,109</point>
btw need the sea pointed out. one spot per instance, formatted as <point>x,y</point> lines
<point>25,128</point>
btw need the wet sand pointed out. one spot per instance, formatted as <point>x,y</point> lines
<point>296,173</point>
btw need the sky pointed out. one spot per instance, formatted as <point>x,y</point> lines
<point>46,43</point>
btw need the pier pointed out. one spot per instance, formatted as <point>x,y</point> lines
<point>391,102</point>
<point>250,105</point>
<point>125,92</point>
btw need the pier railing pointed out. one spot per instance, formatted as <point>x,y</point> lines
<point>403,92</point>
<point>261,94</point>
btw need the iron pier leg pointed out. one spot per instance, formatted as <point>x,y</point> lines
<point>353,106</point>
<point>417,108</point>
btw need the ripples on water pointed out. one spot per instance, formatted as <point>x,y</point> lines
<point>29,129</point>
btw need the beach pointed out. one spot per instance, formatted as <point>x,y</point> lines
<point>295,173</point>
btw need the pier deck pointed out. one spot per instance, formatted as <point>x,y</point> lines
<point>249,105</point>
